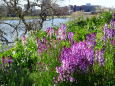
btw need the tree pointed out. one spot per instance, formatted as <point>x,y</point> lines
<point>14,7</point>
<point>45,7</point>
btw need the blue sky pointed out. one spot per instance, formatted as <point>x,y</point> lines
<point>106,3</point>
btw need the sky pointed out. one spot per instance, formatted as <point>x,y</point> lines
<point>105,3</point>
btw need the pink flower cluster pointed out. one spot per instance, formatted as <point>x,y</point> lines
<point>70,37</point>
<point>50,31</point>
<point>60,33</point>
<point>78,57</point>
<point>41,45</point>
<point>23,39</point>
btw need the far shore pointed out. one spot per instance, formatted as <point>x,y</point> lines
<point>31,17</point>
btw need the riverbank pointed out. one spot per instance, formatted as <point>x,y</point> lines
<point>31,17</point>
<point>73,15</point>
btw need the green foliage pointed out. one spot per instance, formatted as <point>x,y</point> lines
<point>30,68</point>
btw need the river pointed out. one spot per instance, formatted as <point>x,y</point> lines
<point>8,29</point>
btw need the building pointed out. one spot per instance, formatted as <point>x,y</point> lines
<point>70,9</point>
<point>86,8</point>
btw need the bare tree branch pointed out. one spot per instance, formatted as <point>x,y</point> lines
<point>46,9</point>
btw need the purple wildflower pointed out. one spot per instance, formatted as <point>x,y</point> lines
<point>42,48</point>
<point>38,41</point>
<point>24,39</point>
<point>3,60</point>
<point>10,60</point>
<point>113,14</point>
<point>61,33</point>
<point>78,57</point>
<point>44,40</point>
<point>70,36</point>
<point>112,23</point>
<point>64,27</point>
<point>91,40</point>
<point>91,37</point>
<point>100,57</point>
<point>41,45</point>
<point>109,33</point>
<point>71,79</point>
<point>6,60</point>
<point>113,42</point>
<point>50,31</point>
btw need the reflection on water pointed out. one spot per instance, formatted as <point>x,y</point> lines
<point>11,36</point>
